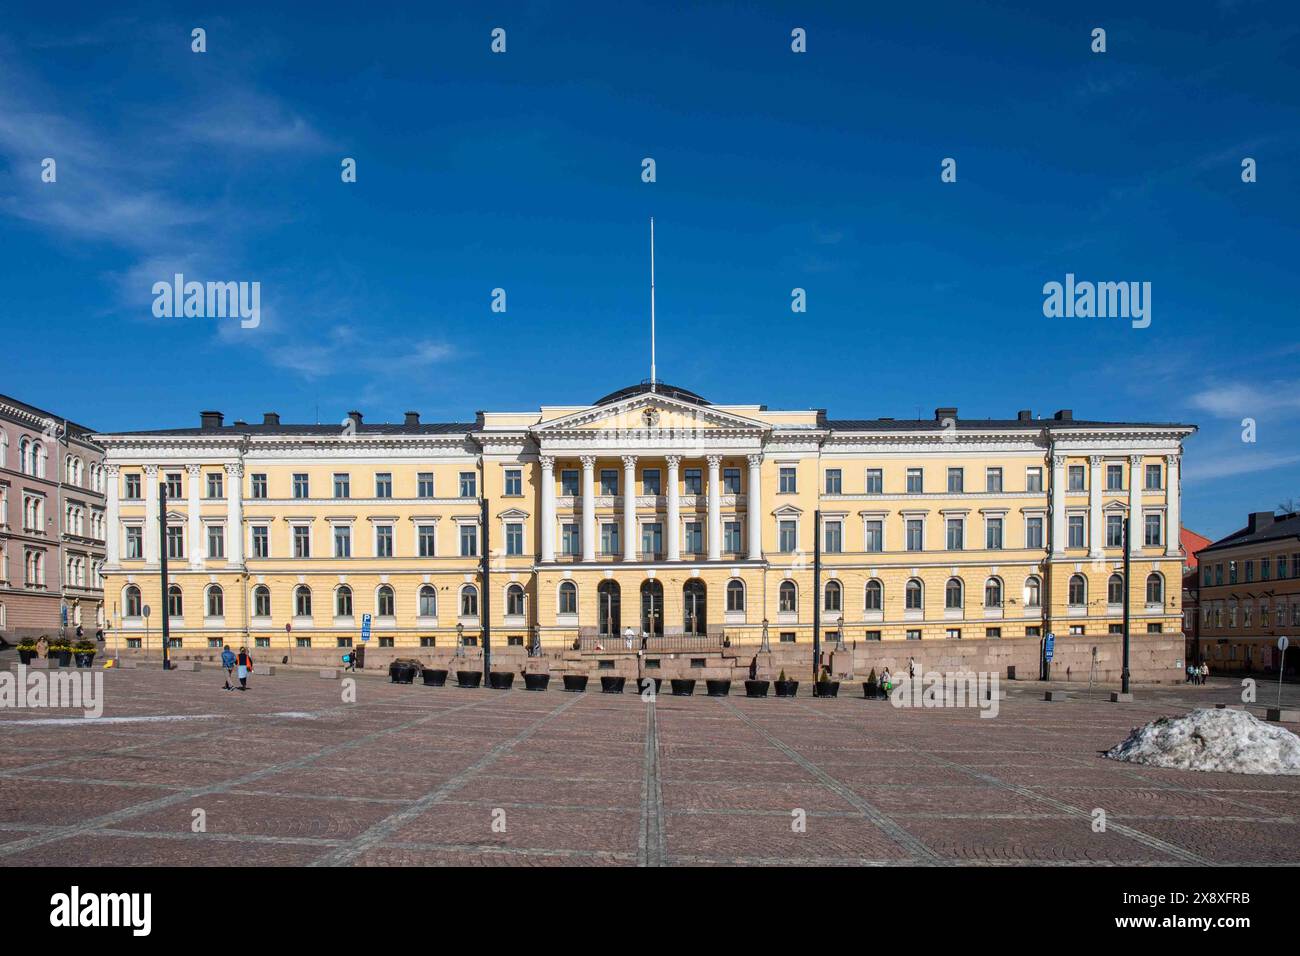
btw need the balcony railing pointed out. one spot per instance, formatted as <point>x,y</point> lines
<point>650,643</point>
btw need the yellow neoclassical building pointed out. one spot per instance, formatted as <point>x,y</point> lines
<point>651,514</point>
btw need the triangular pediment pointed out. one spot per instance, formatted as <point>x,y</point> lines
<point>650,411</point>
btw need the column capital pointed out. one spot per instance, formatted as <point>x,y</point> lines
<point>1135,460</point>
<point>588,462</point>
<point>150,470</point>
<point>1095,460</point>
<point>112,470</point>
<point>754,460</point>
<point>674,461</point>
<point>715,461</point>
<point>193,470</point>
<point>1172,459</point>
<point>629,461</point>
<point>547,462</point>
<point>1058,461</point>
<point>235,470</point>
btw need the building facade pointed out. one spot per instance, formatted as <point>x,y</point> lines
<point>651,513</point>
<point>53,524</point>
<point>1250,595</point>
<point>1193,543</point>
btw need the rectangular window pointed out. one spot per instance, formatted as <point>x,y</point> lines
<point>1114,477</point>
<point>787,637</point>
<point>514,482</point>
<point>731,481</point>
<point>875,535</point>
<point>652,540</point>
<point>1155,628</point>
<point>789,538</point>
<point>956,480</point>
<point>1076,478</point>
<point>1153,536</point>
<point>731,537</point>
<point>1265,569</point>
<point>257,486</point>
<point>650,482</point>
<point>468,540</point>
<point>569,485</point>
<point>216,541</point>
<point>993,633</point>
<point>342,541</point>
<point>915,534</point>
<point>301,488</point>
<point>342,486</point>
<point>956,534</point>
<point>833,537</point>
<point>215,485</point>
<point>788,485</point>
<point>1153,478</point>
<point>609,538</point>
<point>1076,532</point>
<point>694,537</point>
<point>302,541</point>
<point>383,484</point>
<point>570,539</point>
<point>954,633</point>
<point>875,481</point>
<point>1250,571</point>
<point>1033,479</point>
<point>173,485</point>
<point>1114,531</point>
<point>175,542</point>
<point>609,481</point>
<point>514,538</point>
<point>693,481</point>
<point>913,635</point>
<point>424,484</point>
<point>468,484</point>
<point>1076,629</point>
<point>833,480</point>
<point>261,542</point>
<point>426,538</point>
<point>993,534</point>
<point>993,479</point>
<point>915,481</point>
<point>132,490</point>
<point>383,541</point>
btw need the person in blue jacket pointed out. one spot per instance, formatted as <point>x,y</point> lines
<point>228,662</point>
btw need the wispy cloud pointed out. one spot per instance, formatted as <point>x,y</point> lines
<point>1242,399</point>
<point>1240,463</point>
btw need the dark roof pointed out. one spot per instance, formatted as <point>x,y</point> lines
<point>1282,527</point>
<point>994,424</point>
<point>660,388</point>
<point>260,430</point>
<point>80,431</point>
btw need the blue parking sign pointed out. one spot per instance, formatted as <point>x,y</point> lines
<point>1049,647</point>
<point>365,627</point>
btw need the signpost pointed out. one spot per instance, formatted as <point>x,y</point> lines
<point>365,628</point>
<point>146,611</point>
<point>1282,644</point>
<point>1049,647</point>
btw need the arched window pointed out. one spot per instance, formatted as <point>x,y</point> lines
<point>787,598</point>
<point>833,596</point>
<point>1115,589</point>
<point>24,453</point>
<point>735,595</point>
<point>343,601</point>
<point>131,601</point>
<point>302,601</point>
<point>261,601</point>
<point>694,607</point>
<point>1033,591</point>
<point>914,596</point>
<point>875,596</point>
<point>175,603</point>
<point>1078,592</point>
<point>568,598</point>
<point>39,451</point>
<point>952,594</point>
<point>993,592</point>
<point>469,601</point>
<point>428,601</point>
<point>216,602</point>
<point>608,602</point>
<point>384,601</point>
<point>1155,589</point>
<point>515,600</point>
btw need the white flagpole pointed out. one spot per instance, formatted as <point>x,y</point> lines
<point>652,304</point>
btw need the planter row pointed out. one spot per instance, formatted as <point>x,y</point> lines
<point>61,659</point>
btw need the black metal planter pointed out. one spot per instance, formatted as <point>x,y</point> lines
<point>644,682</point>
<point>25,656</point>
<point>826,688</point>
<point>787,688</point>
<point>575,683</point>
<point>469,678</point>
<point>683,687</point>
<point>612,685</point>
<point>501,680</point>
<point>756,688</point>
<point>870,690</point>
<point>65,658</point>
<point>85,660</point>
<point>536,681</point>
<point>718,688</point>
<point>434,678</point>
<point>401,673</point>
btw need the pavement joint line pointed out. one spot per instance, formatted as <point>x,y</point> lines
<point>915,847</point>
<point>652,849</point>
<point>377,832</point>
<point>159,803</point>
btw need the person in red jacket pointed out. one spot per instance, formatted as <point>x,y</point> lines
<point>245,662</point>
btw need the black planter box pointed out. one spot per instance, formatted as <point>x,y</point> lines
<point>718,688</point>
<point>501,680</point>
<point>683,687</point>
<point>787,688</point>
<point>434,678</point>
<point>870,690</point>
<point>84,660</point>
<point>536,681</point>
<point>756,688</point>
<point>577,683</point>
<point>65,658</point>
<point>25,657</point>
<point>469,678</point>
<point>826,688</point>
<point>401,673</point>
<point>612,685</point>
<point>644,682</point>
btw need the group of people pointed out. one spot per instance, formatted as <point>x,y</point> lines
<point>243,661</point>
<point>1197,673</point>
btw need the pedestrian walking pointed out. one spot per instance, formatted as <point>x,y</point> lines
<point>911,668</point>
<point>887,682</point>
<point>1205,672</point>
<point>350,660</point>
<point>228,662</point>
<point>245,664</point>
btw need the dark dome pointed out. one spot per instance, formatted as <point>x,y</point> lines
<point>660,388</point>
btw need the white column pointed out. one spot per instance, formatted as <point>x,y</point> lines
<point>150,514</point>
<point>715,507</point>
<point>1095,540</point>
<point>113,535</point>
<point>235,514</point>
<point>1058,504</point>
<point>588,507</point>
<point>674,518</point>
<point>1135,532</point>
<point>194,533</point>
<point>754,508</point>
<point>548,507</point>
<point>1173,494</point>
<point>629,508</point>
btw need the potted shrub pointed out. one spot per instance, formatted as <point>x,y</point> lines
<point>871,688</point>
<point>536,681</point>
<point>501,680</point>
<point>756,688</point>
<point>469,678</point>
<point>683,686</point>
<point>644,682</point>
<point>612,685</point>
<point>575,683</point>
<point>26,650</point>
<point>717,688</point>
<point>825,687</point>
<point>786,688</point>
<point>84,652</point>
<point>433,678</point>
<point>62,651</point>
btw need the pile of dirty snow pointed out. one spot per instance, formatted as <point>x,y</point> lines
<point>1232,741</point>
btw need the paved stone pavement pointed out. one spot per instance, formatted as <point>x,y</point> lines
<point>288,774</point>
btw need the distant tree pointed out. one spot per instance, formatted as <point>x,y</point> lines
<point>1287,506</point>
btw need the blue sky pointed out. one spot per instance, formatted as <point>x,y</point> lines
<point>775,170</point>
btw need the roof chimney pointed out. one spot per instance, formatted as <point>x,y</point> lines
<point>210,419</point>
<point>1259,520</point>
<point>941,413</point>
<point>412,419</point>
<point>1025,415</point>
<point>356,418</point>
<point>270,418</point>
<point>1064,415</point>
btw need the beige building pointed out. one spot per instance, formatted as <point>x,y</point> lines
<point>651,513</point>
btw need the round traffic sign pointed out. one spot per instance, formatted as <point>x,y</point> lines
<point>146,610</point>
<point>1282,643</point>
